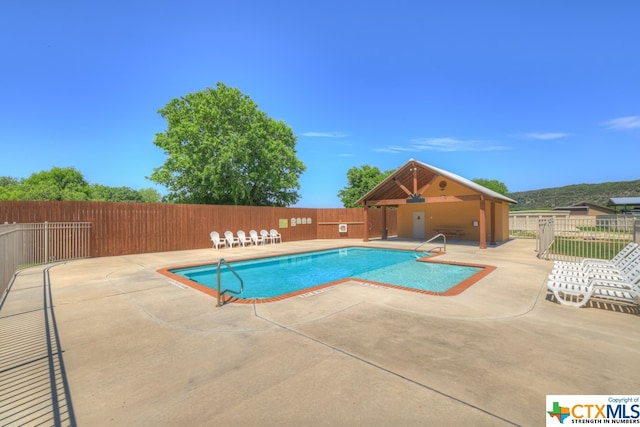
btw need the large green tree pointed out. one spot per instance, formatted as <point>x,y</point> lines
<point>361,180</point>
<point>222,150</point>
<point>104,193</point>
<point>69,184</point>
<point>55,184</point>
<point>150,195</point>
<point>493,184</point>
<point>9,188</point>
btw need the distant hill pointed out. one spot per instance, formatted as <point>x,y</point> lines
<point>598,194</point>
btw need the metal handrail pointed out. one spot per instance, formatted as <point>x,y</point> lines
<point>444,239</point>
<point>220,262</point>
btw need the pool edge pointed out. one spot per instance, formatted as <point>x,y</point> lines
<point>455,290</point>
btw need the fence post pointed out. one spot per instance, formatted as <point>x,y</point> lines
<point>46,241</point>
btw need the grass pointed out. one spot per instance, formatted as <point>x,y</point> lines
<point>523,234</point>
<point>602,249</point>
<point>604,229</point>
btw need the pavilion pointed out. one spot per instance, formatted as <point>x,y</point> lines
<point>431,200</point>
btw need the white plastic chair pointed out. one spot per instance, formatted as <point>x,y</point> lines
<point>275,236</point>
<point>266,237</point>
<point>216,241</point>
<point>255,238</point>
<point>242,238</point>
<point>231,240</point>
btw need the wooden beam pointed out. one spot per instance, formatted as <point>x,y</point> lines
<point>483,224</point>
<point>390,202</point>
<point>425,187</point>
<point>438,199</point>
<point>366,224</point>
<point>384,223</point>
<point>405,189</point>
<point>492,220</point>
<point>443,199</point>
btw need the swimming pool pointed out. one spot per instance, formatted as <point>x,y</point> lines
<point>287,275</point>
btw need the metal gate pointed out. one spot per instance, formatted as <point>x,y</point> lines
<point>573,239</point>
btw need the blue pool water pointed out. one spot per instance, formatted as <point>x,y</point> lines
<point>280,275</point>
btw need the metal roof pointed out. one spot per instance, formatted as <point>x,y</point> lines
<point>585,205</point>
<point>571,208</point>
<point>415,174</point>
<point>623,201</point>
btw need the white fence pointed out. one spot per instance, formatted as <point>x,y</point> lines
<point>40,243</point>
<point>573,239</point>
<point>526,223</point>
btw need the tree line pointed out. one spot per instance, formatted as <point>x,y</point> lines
<point>69,184</point>
<point>598,194</point>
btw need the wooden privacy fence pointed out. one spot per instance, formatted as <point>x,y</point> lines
<point>130,228</point>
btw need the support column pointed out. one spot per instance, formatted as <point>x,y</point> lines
<point>483,224</point>
<point>492,220</point>
<point>383,232</point>
<point>366,224</point>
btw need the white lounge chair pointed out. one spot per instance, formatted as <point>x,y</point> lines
<point>579,294</point>
<point>216,240</point>
<point>266,237</point>
<point>231,240</point>
<point>242,238</point>
<point>619,270</point>
<point>632,249</point>
<point>253,235</point>
<point>577,291</point>
<point>275,236</point>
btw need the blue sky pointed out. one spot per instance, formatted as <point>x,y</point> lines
<point>535,94</point>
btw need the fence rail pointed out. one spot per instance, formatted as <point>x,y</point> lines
<point>134,228</point>
<point>10,239</point>
<point>525,223</point>
<point>39,243</point>
<point>573,239</point>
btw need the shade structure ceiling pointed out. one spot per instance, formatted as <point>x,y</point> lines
<point>411,181</point>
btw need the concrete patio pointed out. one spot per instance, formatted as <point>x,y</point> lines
<point>116,343</point>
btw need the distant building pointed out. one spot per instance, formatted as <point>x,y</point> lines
<point>586,209</point>
<point>625,205</point>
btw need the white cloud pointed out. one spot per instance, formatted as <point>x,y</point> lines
<point>545,136</point>
<point>393,149</point>
<point>324,134</point>
<point>440,144</point>
<point>622,123</point>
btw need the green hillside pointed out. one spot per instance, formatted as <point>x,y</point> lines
<point>599,194</point>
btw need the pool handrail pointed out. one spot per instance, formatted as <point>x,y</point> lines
<point>220,300</point>
<point>444,245</point>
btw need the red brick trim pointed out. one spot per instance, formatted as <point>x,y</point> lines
<point>456,290</point>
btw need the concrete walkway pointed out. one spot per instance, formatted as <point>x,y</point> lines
<point>139,350</point>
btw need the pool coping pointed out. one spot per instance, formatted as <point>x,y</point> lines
<point>226,298</point>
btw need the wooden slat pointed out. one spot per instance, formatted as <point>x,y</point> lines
<point>128,228</point>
